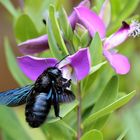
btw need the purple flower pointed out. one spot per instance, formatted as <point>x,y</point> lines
<point>35,45</point>
<point>74,67</point>
<point>73,17</point>
<point>82,15</point>
<point>119,62</point>
<point>90,20</point>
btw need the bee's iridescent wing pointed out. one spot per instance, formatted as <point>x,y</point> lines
<point>66,96</point>
<point>15,97</point>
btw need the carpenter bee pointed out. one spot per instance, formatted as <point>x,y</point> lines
<point>50,88</point>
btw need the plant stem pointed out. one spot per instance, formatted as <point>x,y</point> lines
<point>79,129</point>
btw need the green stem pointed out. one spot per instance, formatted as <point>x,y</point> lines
<point>79,129</point>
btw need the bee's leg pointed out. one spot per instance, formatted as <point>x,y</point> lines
<point>64,79</point>
<point>67,83</point>
<point>63,82</point>
<point>57,110</point>
<point>56,106</point>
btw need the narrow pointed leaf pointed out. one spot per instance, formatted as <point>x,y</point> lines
<point>96,50</point>
<point>89,80</point>
<point>52,42</point>
<point>111,107</point>
<point>86,83</point>
<point>97,67</point>
<point>62,132</point>
<point>65,25</point>
<point>92,135</point>
<point>96,85</point>
<point>108,96</point>
<point>100,123</point>
<point>56,30</point>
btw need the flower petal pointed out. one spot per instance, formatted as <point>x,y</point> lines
<point>80,62</point>
<point>91,21</point>
<point>67,72</point>
<point>118,37</point>
<point>119,62</point>
<point>35,45</point>
<point>73,17</point>
<point>32,67</point>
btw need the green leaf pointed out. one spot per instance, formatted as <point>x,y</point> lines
<point>95,68</point>
<point>52,42</point>
<point>13,66</point>
<point>128,9</point>
<point>56,30</point>
<point>92,135</point>
<point>62,132</point>
<point>87,81</point>
<point>10,124</point>
<point>9,6</point>
<point>64,110</point>
<point>108,96</point>
<point>25,28</point>
<point>109,108</point>
<point>100,123</point>
<point>122,13</point>
<point>68,127</point>
<point>65,25</point>
<point>96,50</point>
<point>96,84</point>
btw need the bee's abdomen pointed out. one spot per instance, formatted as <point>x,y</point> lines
<point>37,109</point>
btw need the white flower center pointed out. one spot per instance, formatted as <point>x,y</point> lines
<point>134,29</point>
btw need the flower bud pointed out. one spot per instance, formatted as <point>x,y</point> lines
<point>81,36</point>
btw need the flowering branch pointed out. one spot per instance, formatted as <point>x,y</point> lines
<point>81,36</point>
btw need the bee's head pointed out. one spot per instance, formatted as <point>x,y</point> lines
<point>54,72</point>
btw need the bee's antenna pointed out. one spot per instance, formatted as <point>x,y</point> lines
<point>61,60</point>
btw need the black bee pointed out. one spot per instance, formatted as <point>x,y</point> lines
<point>50,88</point>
